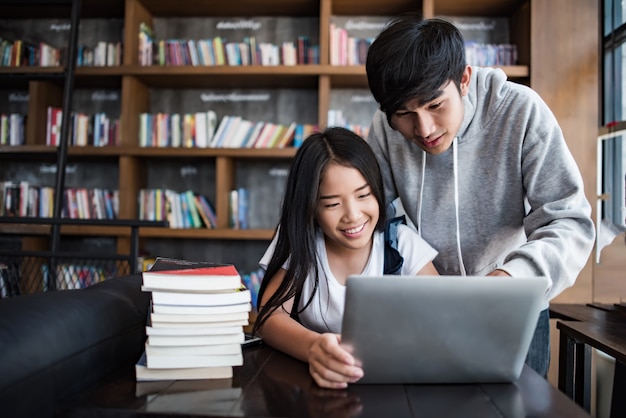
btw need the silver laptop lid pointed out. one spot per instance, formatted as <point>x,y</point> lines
<point>441,329</point>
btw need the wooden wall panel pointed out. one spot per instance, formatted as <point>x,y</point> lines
<point>564,71</point>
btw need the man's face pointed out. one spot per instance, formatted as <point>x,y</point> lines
<point>433,124</point>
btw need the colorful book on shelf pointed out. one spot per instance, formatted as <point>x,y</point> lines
<point>253,135</point>
<point>205,211</point>
<point>196,221</point>
<point>276,135</point>
<point>240,136</point>
<point>229,131</point>
<point>287,137</point>
<point>220,131</point>
<point>265,135</point>
<point>201,279</point>
<point>143,373</point>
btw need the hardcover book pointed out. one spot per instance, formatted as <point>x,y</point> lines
<point>202,279</point>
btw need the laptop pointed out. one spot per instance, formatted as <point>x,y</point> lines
<point>441,329</point>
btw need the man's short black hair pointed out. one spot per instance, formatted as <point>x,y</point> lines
<point>412,58</point>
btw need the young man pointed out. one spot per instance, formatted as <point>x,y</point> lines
<point>478,163</point>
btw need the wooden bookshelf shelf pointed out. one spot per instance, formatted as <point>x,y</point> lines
<point>203,233</point>
<point>208,152</point>
<point>475,7</point>
<point>246,8</point>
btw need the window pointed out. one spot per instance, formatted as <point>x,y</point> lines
<point>611,209</point>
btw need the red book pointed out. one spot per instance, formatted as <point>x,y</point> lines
<point>216,278</point>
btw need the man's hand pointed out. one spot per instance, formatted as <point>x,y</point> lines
<point>499,273</point>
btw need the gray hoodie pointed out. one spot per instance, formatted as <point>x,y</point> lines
<point>507,194</point>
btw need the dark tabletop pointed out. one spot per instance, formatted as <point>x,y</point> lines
<point>271,384</point>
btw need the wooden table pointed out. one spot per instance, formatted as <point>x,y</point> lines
<point>271,384</point>
<point>581,327</point>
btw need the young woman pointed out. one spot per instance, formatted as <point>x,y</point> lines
<point>331,226</point>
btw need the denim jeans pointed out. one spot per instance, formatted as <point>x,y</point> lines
<point>538,357</point>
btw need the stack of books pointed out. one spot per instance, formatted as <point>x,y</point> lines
<point>195,325</point>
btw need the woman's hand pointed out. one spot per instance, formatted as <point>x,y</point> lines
<point>330,365</point>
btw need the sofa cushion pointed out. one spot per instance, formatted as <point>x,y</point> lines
<point>55,344</point>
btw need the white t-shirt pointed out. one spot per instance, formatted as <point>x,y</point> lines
<point>325,312</point>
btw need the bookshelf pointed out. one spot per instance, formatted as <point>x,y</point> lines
<point>139,88</point>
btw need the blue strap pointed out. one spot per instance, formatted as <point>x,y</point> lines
<point>393,259</point>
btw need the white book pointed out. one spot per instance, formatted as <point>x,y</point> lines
<point>211,125</point>
<point>235,329</point>
<point>193,350</point>
<point>220,130</point>
<point>207,324</point>
<point>229,131</point>
<point>201,130</point>
<point>239,135</point>
<point>216,317</point>
<point>201,299</point>
<point>178,340</point>
<point>156,361</point>
<point>144,374</point>
<point>201,310</point>
<point>175,137</point>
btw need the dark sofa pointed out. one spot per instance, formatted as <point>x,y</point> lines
<point>55,345</point>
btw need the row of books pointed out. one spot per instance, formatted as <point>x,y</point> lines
<point>69,275</point>
<point>345,49</point>
<point>219,51</point>
<point>176,130</point>
<point>20,198</point>
<point>19,53</point>
<point>12,129</point>
<point>97,130</point>
<point>236,132</point>
<point>336,118</point>
<point>199,130</point>
<point>104,54</point>
<point>196,325</point>
<point>481,54</point>
<point>181,210</point>
<point>64,275</point>
<point>96,203</point>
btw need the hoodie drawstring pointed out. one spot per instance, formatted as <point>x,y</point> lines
<point>456,203</point>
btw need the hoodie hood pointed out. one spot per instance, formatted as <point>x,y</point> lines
<point>479,114</point>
